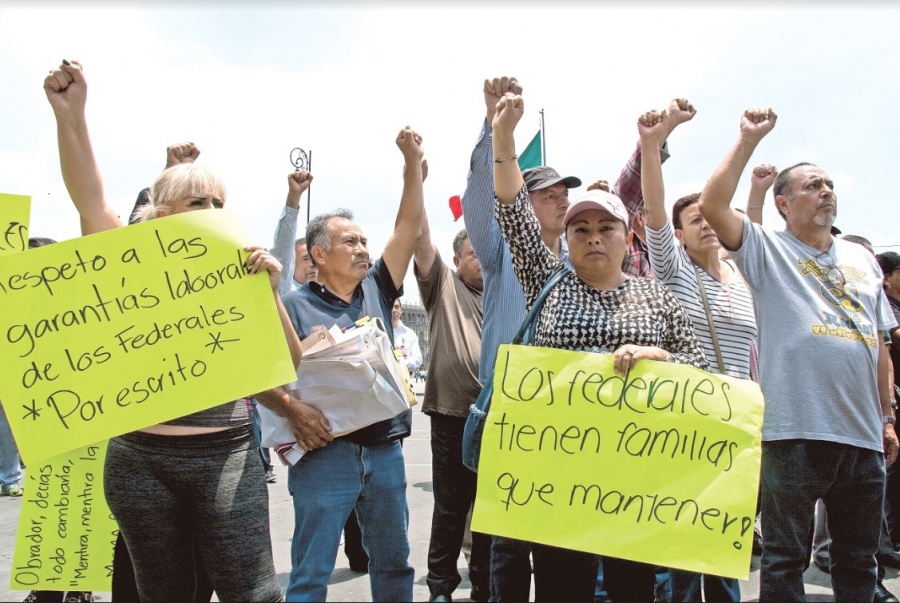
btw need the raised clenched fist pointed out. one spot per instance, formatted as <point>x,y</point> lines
<point>410,144</point>
<point>496,89</point>
<point>66,89</point>
<point>182,152</point>
<point>680,110</point>
<point>653,126</point>
<point>763,176</point>
<point>510,109</point>
<point>756,123</point>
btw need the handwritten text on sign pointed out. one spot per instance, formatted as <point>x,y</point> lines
<point>661,467</point>
<point>66,533</point>
<point>14,215</point>
<point>113,332</point>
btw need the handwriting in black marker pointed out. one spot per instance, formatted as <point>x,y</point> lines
<point>217,342</point>
<point>32,411</point>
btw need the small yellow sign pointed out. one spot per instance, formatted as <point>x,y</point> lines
<point>14,214</point>
<point>66,532</point>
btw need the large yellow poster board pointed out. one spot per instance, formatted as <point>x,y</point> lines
<point>661,467</point>
<point>124,329</point>
<point>66,533</point>
<point>14,214</point>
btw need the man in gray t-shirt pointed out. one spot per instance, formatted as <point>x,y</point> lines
<point>828,427</point>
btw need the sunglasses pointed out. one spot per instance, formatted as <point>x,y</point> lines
<point>832,272</point>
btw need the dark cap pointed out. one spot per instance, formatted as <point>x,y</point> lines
<point>889,261</point>
<point>543,176</point>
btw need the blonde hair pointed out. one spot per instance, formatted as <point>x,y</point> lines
<point>178,182</point>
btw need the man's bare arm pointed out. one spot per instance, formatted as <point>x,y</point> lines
<point>715,200</point>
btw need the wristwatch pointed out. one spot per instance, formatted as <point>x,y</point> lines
<point>888,419</point>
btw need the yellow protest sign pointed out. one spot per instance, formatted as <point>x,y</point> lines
<point>124,329</point>
<point>661,467</point>
<point>14,213</point>
<point>66,533</point>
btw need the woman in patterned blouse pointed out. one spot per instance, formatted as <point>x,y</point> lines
<point>596,308</point>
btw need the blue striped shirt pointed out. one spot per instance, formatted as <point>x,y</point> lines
<point>503,301</point>
<point>283,248</point>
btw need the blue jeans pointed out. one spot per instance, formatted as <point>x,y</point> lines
<point>326,485</point>
<point>454,492</point>
<point>686,588</point>
<point>10,469</point>
<point>559,574</point>
<point>850,480</point>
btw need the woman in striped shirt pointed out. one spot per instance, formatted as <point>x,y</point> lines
<point>682,268</point>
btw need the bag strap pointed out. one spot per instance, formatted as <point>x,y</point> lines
<point>529,325</point>
<point>709,319</point>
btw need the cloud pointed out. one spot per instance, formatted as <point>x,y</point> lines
<point>248,85</point>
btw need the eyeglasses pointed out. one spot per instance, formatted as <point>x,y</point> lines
<point>832,272</point>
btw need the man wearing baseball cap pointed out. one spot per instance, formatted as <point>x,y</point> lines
<point>549,195</point>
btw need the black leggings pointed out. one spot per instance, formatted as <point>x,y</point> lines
<point>124,586</point>
<point>172,493</point>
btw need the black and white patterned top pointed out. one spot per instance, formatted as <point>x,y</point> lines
<point>577,316</point>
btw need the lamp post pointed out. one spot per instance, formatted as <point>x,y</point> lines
<point>301,161</point>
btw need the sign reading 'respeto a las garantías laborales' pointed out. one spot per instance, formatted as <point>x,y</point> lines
<point>116,331</point>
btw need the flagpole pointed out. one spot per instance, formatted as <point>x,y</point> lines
<point>543,140</point>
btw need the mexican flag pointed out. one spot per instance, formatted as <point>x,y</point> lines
<point>531,156</point>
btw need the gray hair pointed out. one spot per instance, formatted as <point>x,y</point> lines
<point>783,182</point>
<point>317,232</point>
<point>458,241</point>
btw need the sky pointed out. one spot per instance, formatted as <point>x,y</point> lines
<point>247,83</point>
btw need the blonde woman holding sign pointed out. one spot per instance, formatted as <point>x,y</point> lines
<point>196,480</point>
<point>597,308</point>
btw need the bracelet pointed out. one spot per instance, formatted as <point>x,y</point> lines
<point>754,207</point>
<point>502,160</point>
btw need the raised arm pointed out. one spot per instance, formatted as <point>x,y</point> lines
<point>402,243</point>
<point>66,90</point>
<point>478,198</point>
<point>507,175</point>
<point>715,200</point>
<point>283,247</point>
<point>628,185</point>
<point>425,250</point>
<point>761,179</point>
<point>653,126</point>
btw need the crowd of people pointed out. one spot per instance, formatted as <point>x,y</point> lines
<point>703,284</point>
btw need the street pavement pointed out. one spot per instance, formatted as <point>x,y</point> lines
<point>347,585</point>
